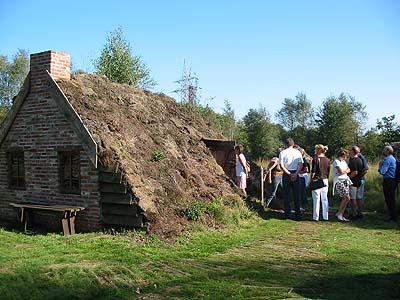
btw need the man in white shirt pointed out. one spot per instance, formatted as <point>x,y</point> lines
<point>291,162</point>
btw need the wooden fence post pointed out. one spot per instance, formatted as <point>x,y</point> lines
<point>262,185</point>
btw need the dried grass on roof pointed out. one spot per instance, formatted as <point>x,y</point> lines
<point>129,126</point>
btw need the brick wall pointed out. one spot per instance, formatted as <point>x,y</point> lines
<point>40,130</point>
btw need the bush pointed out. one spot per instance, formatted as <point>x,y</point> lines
<point>237,209</point>
<point>216,210</point>
<point>226,210</point>
<point>158,156</point>
<point>195,210</point>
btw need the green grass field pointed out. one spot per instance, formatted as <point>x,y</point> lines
<point>262,258</point>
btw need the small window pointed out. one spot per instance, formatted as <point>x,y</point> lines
<point>16,170</point>
<point>70,172</point>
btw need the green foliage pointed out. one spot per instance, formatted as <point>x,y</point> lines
<point>118,64</point>
<point>195,210</point>
<point>297,117</point>
<point>216,210</point>
<point>371,144</point>
<point>229,124</point>
<point>261,135</point>
<point>389,129</point>
<point>12,76</point>
<point>340,121</point>
<point>158,156</point>
<point>296,113</point>
<point>224,122</point>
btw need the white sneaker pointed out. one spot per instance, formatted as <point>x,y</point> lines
<point>341,218</point>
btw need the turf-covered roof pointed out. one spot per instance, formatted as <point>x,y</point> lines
<point>156,142</point>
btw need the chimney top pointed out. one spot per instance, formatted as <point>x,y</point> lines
<point>58,64</point>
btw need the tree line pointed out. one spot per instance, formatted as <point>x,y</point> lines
<point>339,122</point>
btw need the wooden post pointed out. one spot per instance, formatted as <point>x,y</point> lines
<point>24,218</point>
<point>262,185</point>
<point>72,222</point>
<point>64,222</point>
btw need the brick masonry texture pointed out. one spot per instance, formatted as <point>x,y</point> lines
<point>40,130</point>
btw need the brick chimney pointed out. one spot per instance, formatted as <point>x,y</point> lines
<point>55,62</point>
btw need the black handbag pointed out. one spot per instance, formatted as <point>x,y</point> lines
<point>317,182</point>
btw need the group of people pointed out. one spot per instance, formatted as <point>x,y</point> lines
<point>290,169</point>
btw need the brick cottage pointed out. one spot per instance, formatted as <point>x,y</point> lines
<point>55,137</point>
<point>48,156</point>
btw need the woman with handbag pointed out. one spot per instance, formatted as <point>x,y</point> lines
<point>320,168</point>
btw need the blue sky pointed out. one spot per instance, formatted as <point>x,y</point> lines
<point>250,53</point>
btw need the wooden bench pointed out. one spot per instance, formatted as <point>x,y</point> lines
<point>67,219</point>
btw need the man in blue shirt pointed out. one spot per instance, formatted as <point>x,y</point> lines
<point>387,168</point>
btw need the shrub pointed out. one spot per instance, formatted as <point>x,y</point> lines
<point>158,156</point>
<point>216,210</point>
<point>195,210</point>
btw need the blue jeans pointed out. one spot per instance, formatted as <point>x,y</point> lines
<point>291,189</point>
<point>303,192</point>
<point>276,182</point>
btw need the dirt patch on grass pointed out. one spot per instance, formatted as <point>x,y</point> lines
<point>6,270</point>
<point>81,264</point>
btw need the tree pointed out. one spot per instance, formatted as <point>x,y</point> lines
<point>12,76</point>
<point>224,122</point>
<point>118,64</point>
<point>297,116</point>
<point>287,114</point>
<point>305,112</point>
<point>388,129</point>
<point>261,135</point>
<point>296,113</point>
<point>340,121</point>
<point>371,144</point>
<point>229,123</point>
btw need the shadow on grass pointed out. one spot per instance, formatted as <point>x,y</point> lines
<point>375,220</point>
<point>365,286</point>
<point>30,284</point>
<point>279,266</point>
<point>371,220</point>
<point>239,277</point>
<point>243,277</point>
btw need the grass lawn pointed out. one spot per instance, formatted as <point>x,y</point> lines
<point>263,258</point>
